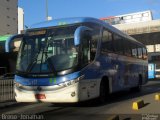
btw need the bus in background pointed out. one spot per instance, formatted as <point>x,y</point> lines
<point>76,59</point>
<point>8,60</point>
<point>151,71</point>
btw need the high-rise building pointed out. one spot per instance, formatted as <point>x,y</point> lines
<point>20,20</point>
<point>8,17</point>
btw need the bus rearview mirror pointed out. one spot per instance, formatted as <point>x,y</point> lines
<point>79,34</point>
<point>10,40</point>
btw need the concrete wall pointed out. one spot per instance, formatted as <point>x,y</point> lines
<point>140,28</point>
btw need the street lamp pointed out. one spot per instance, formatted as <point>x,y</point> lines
<point>47,10</point>
<point>47,17</point>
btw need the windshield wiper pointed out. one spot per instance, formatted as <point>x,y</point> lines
<point>48,61</point>
<point>30,66</point>
<point>51,66</point>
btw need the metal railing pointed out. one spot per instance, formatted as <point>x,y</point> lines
<point>6,90</point>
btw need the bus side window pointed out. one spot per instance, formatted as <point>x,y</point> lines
<point>107,43</point>
<point>95,37</point>
<point>93,48</point>
<point>86,49</point>
<point>134,51</point>
<point>140,53</point>
<point>94,42</point>
<point>118,44</point>
<point>127,48</point>
<point>144,53</point>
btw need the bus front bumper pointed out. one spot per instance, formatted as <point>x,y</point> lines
<point>67,94</point>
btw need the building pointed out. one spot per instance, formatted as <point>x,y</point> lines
<point>129,18</point>
<point>8,27</point>
<point>9,17</point>
<point>20,20</point>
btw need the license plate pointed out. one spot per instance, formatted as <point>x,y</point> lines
<point>40,96</point>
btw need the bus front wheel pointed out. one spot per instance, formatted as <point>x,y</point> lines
<point>139,87</point>
<point>103,92</point>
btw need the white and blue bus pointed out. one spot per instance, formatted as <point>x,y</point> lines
<point>77,59</point>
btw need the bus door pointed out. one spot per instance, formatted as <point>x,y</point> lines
<point>85,38</point>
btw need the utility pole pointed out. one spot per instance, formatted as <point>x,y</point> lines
<point>47,10</point>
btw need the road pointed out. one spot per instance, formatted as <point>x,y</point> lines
<point>119,104</point>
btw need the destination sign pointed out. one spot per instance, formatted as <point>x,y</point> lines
<point>40,32</point>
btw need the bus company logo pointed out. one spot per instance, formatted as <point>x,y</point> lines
<point>34,82</point>
<point>39,88</point>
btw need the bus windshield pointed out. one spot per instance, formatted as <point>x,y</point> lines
<point>48,51</point>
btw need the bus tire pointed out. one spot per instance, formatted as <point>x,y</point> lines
<point>139,87</point>
<point>104,90</point>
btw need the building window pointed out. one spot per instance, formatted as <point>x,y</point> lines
<point>145,14</point>
<point>137,16</point>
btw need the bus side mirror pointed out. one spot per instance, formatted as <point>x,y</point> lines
<point>79,34</point>
<point>13,42</point>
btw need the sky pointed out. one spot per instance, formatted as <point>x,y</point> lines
<point>35,10</point>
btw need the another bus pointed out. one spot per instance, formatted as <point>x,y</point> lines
<point>77,59</point>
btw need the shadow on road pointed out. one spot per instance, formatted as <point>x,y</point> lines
<point>116,97</point>
<point>93,108</point>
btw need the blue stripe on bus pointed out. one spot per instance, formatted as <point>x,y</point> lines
<point>46,81</point>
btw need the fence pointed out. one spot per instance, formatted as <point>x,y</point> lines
<point>6,90</point>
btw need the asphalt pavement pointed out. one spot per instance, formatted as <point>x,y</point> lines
<point>118,106</point>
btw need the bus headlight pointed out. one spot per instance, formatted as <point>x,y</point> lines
<point>17,84</point>
<point>71,82</point>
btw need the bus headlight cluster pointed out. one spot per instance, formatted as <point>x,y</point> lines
<point>71,82</point>
<point>17,84</point>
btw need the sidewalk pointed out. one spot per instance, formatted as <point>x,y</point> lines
<point>7,104</point>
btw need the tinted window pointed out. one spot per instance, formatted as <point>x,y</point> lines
<point>127,47</point>
<point>95,37</point>
<point>139,52</point>
<point>144,53</point>
<point>107,43</point>
<point>118,44</point>
<point>134,50</point>
<point>94,42</point>
<point>85,58</point>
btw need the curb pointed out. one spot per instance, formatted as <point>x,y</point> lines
<point>7,104</point>
<point>157,97</point>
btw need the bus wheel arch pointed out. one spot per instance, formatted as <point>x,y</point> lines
<point>104,89</point>
<point>139,86</point>
<point>140,78</point>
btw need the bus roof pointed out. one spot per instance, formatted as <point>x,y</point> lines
<point>74,20</point>
<point>65,21</point>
